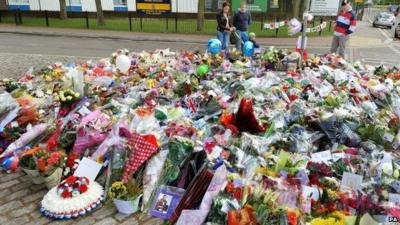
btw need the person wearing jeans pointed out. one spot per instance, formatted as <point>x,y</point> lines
<point>224,25</point>
<point>241,21</point>
<point>345,25</point>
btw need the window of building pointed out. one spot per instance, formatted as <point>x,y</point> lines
<point>213,5</point>
<point>18,2</point>
<point>120,2</point>
<point>74,2</point>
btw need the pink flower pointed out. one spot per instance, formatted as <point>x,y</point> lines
<point>395,211</point>
<point>51,161</point>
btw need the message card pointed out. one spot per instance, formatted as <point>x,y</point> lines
<point>351,181</point>
<point>88,168</point>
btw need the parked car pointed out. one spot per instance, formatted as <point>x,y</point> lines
<point>384,19</point>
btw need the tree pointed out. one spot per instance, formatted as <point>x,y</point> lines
<point>200,15</point>
<point>296,8</point>
<point>100,14</point>
<point>63,11</point>
<point>3,4</point>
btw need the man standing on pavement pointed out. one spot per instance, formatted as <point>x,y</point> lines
<point>241,21</point>
<point>396,22</point>
<point>345,25</point>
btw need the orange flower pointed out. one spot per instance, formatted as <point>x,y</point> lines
<point>292,217</point>
<point>41,164</point>
<point>31,151</point>
<point>142,112</point>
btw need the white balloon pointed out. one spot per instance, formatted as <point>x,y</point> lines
<point>123,63</point>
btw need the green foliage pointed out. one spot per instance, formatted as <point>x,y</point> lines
<point>28,162</point>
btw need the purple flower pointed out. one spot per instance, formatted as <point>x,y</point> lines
<point>303,177</point>
<point>283,174</point>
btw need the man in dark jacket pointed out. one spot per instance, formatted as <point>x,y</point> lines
<point>241,21</point>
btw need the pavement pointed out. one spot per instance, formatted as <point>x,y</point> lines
<point>20,202</point>
<point>24,47</point>
<point>137,36</point>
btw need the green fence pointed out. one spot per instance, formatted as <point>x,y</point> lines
<point>131,21</point>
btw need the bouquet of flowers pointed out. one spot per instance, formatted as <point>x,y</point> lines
<point>67,97</point>
<point>126,196</point>
<point>73,186</point>
<point>335,218</point>
<point>48,162</point>
<point>126,192</point>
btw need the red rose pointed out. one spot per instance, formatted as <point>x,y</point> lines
<point>70,180</point>
<point>66,194</point>
<point>83,188</point>
<point>63,112</point>
<point>292,97</point>
<point>71,160</point>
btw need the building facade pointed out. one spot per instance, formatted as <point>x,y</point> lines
<point>183,6</point>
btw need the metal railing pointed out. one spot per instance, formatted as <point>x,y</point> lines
<point>132,21</point>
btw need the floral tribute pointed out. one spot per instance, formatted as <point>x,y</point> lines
<point>73,186</point>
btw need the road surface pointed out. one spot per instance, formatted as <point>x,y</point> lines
<point>20,52</point>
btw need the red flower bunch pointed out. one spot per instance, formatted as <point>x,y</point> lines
<point>78,185</point>
<point>53,140</point>
<point>292,217</point>
<point>320,169</point>
<point>244,120</point>
<point>71,160</point>
<point>236,192</point>
<point>269,183</point>
<point>47,161</point>
<point>362,203</point>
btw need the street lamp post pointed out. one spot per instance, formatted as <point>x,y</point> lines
<point>304,33</point>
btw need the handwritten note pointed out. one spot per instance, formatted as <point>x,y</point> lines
<point>351,181</point>
<point>88,168</point>
<point>324,156</point>
<point>310,193</point>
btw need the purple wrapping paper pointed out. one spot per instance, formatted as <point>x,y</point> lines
<point>87,140</point>
<point>113,139</point>
<point>25,139</point>
<point>197,217</point>
<point>90,132</point>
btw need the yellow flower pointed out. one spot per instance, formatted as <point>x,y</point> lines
<point>332,194</point>
<point>336,218</point>
<point>151,83</point>
<point>266,171</point>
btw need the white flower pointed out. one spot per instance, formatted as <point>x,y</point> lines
<point>75,193</point>
<point>69,98</point>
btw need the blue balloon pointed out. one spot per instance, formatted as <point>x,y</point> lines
<point>10,164</point>
<point>214,46</point>
<point>248,49</point>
